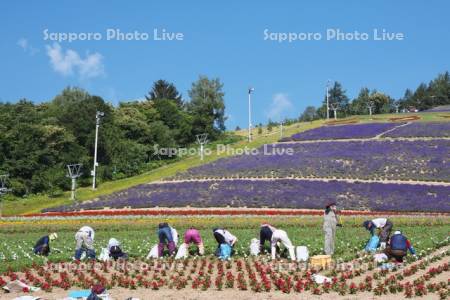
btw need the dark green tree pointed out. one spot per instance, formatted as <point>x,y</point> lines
<point>163,89</point>
<point>309,114</point>
<point>207,107</point>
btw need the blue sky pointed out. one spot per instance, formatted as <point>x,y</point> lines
<point>222,39</point>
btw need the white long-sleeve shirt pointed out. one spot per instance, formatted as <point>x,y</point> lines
<point>379,222</point>
<point>228,237</point>
<point>281,236</point>
<point>88,230</point>
<point>174,235</point>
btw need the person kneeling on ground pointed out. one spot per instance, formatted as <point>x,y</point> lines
<point>383,225</point>
<point>84,242</point>
<point>115,252</point>
<point>225,241</point>
<point>281,236</point>
<point>398,247</point>
<point>42,246</point>
<point>192,235</point>
<point>167,236</point>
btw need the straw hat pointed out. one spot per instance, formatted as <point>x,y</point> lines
<point>53,236</point>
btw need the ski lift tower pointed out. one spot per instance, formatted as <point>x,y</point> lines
<point>3,189</point>
<point>334,107</point>
<point>74,171</point>
<point>202,139</point>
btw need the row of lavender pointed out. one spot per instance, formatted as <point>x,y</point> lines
<point>352,131</point>
<point>421,129</point>
<point>281,193</point>
<point>395,160</point>
<point>371,130</point>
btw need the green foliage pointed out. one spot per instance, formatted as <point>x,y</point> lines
<point>309,114</point>
<point>207,107</point>
<point>164,90</point>
<point>379,102</point>
<point>426,96</point>
<point>336,96</point>
<point>136,240</point>
<point>436,93</point>
<point>38,141</point>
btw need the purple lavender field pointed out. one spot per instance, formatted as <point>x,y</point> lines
<point>352,131</point>
<point>395,160</point>
<point>419,129</point>
<point>280,193</point>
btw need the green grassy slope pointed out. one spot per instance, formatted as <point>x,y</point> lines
<point>36,203</point>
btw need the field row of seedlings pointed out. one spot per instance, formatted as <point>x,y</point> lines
<point>427,275</point>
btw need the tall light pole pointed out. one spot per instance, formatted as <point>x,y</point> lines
<point>281,129</point>
<point>250,90</point>
<point>98,116</point>
<point>3,189</point>
<point>328,105</point>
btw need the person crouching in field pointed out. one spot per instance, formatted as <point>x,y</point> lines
<point>383,225</point>
<point>84,242</point>
<point>167,236</point>
<point>42,246</point>
<point>398,247</point>
<point>115,251</point>
<point>265,235</point>
<point>225,241</point>
<point>192,235</point>
<point>279,235</point>
<point>330,222</point>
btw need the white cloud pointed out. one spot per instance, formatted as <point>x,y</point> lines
<point>279,106</point>
<point>23,43</point>
<point>69,62</point>
<point>26,46</point>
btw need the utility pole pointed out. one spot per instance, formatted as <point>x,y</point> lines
<point>328,105</point>
<point>281,129</point>
<point>250,90</point>
<point>98,116</point>
<point>3,189</point>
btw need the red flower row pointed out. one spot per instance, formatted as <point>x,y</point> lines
<point>212,212</point>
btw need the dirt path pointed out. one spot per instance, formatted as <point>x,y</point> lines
<point>390,130</point>
<point>361,278</point>
<point>430,183</point>
<point>189,294</point>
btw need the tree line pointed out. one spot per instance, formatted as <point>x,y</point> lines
<point>425,96</point>
<point>37,141</point>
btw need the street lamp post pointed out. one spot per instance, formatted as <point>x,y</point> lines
<point>250,90</point>
<point>281,129</point>
<point>98,116</point>
<point>3,189</point>
<point>328,105</point>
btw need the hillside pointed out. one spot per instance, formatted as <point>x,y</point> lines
<point>35,203</point>
<point>397,166</point>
